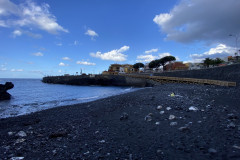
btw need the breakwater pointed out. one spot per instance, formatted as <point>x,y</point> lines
<point>103,80</point>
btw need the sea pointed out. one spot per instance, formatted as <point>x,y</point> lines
<point>32,95</point>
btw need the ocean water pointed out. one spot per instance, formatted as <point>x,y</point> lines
<point>31,95</point>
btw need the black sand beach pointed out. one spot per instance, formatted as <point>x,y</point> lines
<point>132,126</point>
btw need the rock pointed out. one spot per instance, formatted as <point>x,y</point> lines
<point>231,116</point>
<point>157,123</point>
<point>212,151</point>
<point>168,108</point>
<point>183,129</point>
<point>159,107</point>
<point>193,108</point>
<point>162,112</point>
<point>21,134</point>
<point>171,117</point>
<point>148,117</point>
<point>54,152</point>
<point>4,95</point>
<point>173,123</point>
<point>16,158</point>
<point>20,140</point>
<point>231,125</point>
<point>58,134</point>
<point>124,116</point>
<point>102,141</point>
<point>10,133</point>
<point>235,146</point>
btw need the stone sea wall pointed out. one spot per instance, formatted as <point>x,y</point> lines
<point>225,73</point>
<point>103,80</point>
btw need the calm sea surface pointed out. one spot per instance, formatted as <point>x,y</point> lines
<point>31,95</point>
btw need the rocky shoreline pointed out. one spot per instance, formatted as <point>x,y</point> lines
<point>196,122</point>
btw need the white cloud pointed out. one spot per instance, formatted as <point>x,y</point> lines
<point>201,20</point>
<point>150,57</point>
<point>75,43</point>
<point>29,14</point>
<point>59,44</point>
<point>60,71</point>
<point>146,58</point>
<point>16,70</point>
<point>17,33</point>
<point>220,51</point>
<point>161,55</point>
<point>151,51</point>
<point>66,58</point>
<point>62,64</point>
<point>86,63</point>
<point>91,33</point>
<point>114,55</point>
<point>38,54</point>
<point>3,69</point>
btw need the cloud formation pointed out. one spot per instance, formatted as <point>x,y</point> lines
<point>29,14</point>
<point>16,70</point>
<point>146,58</point>
<point>66,58</point>
<point>114,55</point>
<point>201,20</point>
<point>149,57</point>
<point>38,54</point>
<point>220,51</point>
<point>62,64</point>
<point>18,32</point>
<point>91,33</point>
<point>86,63</point>
<point>151,51</point>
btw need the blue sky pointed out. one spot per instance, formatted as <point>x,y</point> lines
<point>46,37</point>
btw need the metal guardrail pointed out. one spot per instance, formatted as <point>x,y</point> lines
<point>163,79</point>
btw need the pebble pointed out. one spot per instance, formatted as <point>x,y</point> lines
<point>168,108</point>
<point>193,108</point>
<point>102,141</point>
<point>212,150</point>
<point>10,133</point>
<point>231,116</point>
<point>124,116</point>
<point>157,123</point>
<point>159,107</point>
<point>171,117</point>
<point>183,128</point>
<point>231,125</point>
<point>21,134</point>
<point>20,140</point>
<point>162,112</point>
<point>148,117</point>
<point>235,146</point>
<point>16,158</point>
<point>173,123</point>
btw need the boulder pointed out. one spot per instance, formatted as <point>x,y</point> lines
<point>4,95</point>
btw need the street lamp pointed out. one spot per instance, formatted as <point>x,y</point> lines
<point>236,38</point>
